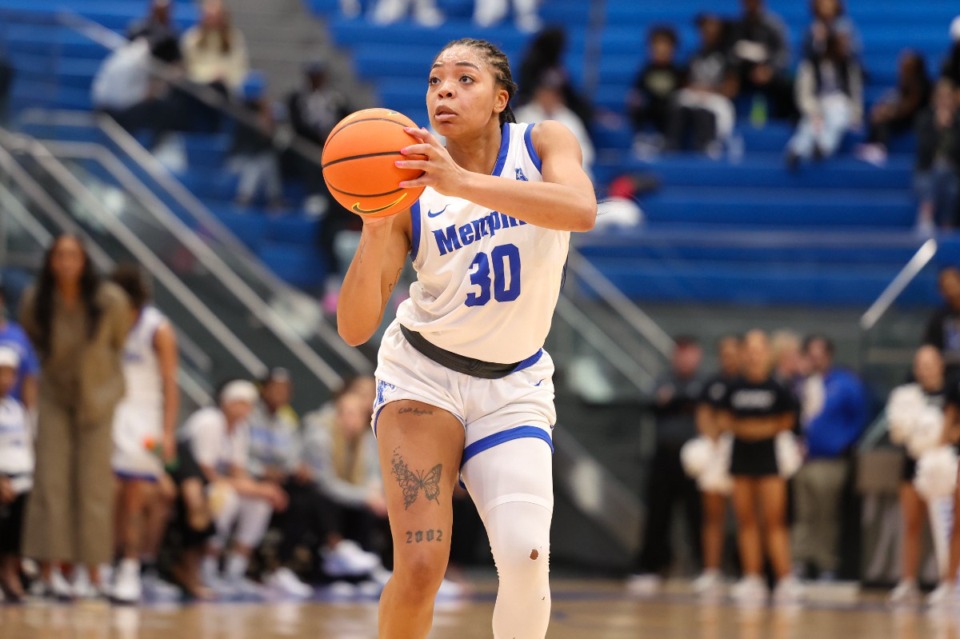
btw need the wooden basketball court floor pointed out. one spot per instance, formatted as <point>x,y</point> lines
<point>582,610</point>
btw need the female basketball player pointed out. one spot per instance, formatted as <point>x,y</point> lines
<point>756,409</point>
<point>464,387</point>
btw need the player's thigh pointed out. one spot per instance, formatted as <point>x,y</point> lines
<point>773,497</point>
<point>744,503</point>
<point>420,448</point>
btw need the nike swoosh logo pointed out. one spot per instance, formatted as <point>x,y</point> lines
<point>440,212</point>
<point>356,206</point>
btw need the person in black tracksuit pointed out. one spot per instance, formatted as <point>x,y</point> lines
<point>675,405</point>
<point>756,409</point>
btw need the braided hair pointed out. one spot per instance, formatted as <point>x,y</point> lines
<point>497,59</point>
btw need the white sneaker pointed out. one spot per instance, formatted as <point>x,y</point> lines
<point>943,596</point>
<point>245,589</point>
<point>83,587</point>
<point>749,590</point>
<point>156,589</point>
<point>369,588</point>
<point>286,581</point>
<point>905,594</point>
<point>450,590</point>
<point>428,17</point>
<point>342,590</point>
<point>529,23</point>
<point>347,559</point>
<point>127,588</point>
<point>645,585</point>
<point>789,590</point>
<point>709,584</point>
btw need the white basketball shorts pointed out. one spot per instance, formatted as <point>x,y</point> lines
<point>136,431</point>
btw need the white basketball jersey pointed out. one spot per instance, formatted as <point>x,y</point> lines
<point>16,443</point>
<point>487,283</point>
<point>141,370</point>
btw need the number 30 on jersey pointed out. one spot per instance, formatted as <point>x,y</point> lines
<point>504,261</point>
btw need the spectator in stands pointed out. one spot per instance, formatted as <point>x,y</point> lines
<point>274,449</point>
<point>214,51</point>
<point>937,169</point>
<point>760,50</point>
<point>898,109</point>
<point>650,101</point>
<point>675,403</point>
<point>425,12</point>
<point>144,440</point>
<point>943,327</point>
<point>126,89</point>
<point>16,475</point>
<point>756,410</point>
<point>340,456</point>
<point>548,104</point>
<point>830,98</point>
<point>158,27</point>
<point>928,372</point>
<point>545,55</point>
<point>14,337</point>
<point>487,13</point>
<point>252,153</point>
<point>829,16</point>
<point>830,436</point>
<point>219,439</point>
<point>951,64</point>
<point>6,83</point>
<point>78,325</point>
<point>314,110</point>
<point>704,106</point>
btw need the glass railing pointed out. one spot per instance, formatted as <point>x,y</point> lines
<point>27,228</point>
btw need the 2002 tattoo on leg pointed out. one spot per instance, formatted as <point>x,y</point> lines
<point>412,481</point>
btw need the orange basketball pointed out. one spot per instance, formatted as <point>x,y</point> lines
<point>358,163</point>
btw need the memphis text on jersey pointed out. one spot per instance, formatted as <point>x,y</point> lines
<point>453,238</point>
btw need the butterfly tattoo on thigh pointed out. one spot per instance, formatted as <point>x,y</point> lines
<point>413,481</point>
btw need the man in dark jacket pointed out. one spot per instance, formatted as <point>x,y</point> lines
<point>760,49</point>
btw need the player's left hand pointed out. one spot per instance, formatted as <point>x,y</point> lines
<point>439,169</point>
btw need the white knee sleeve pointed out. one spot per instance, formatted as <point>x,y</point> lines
<point>512,486</point>
<point>252,521</point>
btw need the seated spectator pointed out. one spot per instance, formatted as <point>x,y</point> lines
<point>761,52</point>
<point>548,104</point>
<point>6,83</point>
<point>897,111</point>
<point>274,449</point>
<point>16,476</point>
<point>951,65</point>
<point>487,13</point>
<point>314,110</point>
<point>937,169</point>
<point>252,153</point>
<point>830,97</point>
<point>943,327</point>
<point>214,51</point>
<point>340,455</point>
<point>829,16</point>
<point>158,27</point>
<point>545,55</point>
<point>651,99</point>
<point>425,12</point>
<point>125,89</point>
<point>13,336</point>
<point>219,443</point>
<point>704,106</point>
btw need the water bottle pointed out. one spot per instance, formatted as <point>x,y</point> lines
<point>758,111</point>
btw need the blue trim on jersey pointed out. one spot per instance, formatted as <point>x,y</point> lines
<point>135,476</point>
<point>376,416</point>
<point>504,147</point>
<point>415,230</point>
<point>488,442</point>
<point>530,361</point>
<point>528,140</point>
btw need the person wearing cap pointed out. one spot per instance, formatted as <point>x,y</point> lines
<point>16,475</point>
<point>14,337</point>
<point>274,449</point>
<point>951,65</point>
<point>219,442</point>
<point>158,27</point>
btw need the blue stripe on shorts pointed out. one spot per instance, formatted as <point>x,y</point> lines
<point>488,442</point>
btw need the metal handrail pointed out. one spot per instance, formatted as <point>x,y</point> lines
<point>14,207</point>
<point>907,274</point>
<point>157,268</point>
<point>228,278</point>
